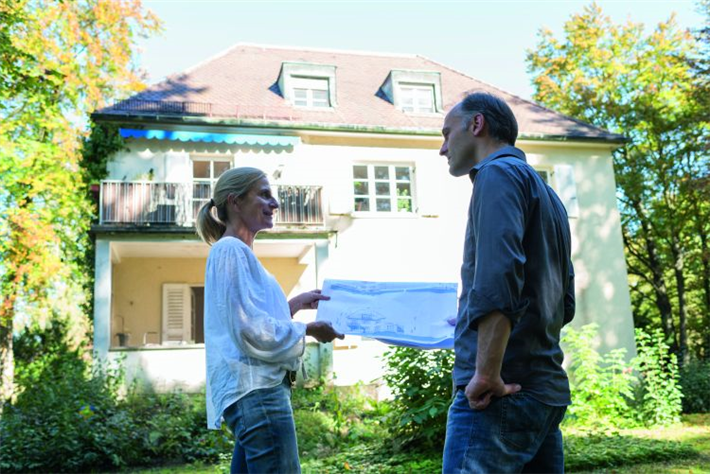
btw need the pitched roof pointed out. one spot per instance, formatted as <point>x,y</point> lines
<point>241,85</point>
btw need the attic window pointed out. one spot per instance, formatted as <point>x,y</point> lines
<point>417,98</point>
<point>413,92</point>
<point>308,85</point>
<point>310,92</point>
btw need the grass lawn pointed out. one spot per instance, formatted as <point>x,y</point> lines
<point>691,440</point>
<point>695,431</point>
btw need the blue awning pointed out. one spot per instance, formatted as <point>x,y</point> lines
<point>205,137</point>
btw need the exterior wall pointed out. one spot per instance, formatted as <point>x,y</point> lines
<point>425,246</point>
<point>165,369</point>
<point>138,293</point>
<point>138,290</point>
<point>598,249</point>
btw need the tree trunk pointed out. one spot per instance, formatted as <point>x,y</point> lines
<point>678,261</point>
<point>7,361</point>
<point>663,301</point>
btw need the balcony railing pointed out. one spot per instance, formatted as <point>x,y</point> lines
<point>149,202</point>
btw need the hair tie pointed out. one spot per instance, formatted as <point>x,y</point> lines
<point>212,203</point>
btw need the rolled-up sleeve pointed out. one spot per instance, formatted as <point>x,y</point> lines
<point>499,214</point>
<point>252,326</point>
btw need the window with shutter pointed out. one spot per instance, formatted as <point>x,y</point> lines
<point>176,313</point>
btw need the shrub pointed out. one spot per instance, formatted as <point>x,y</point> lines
<point>330,418</point>
<point>69,417</point>
<point>422,387</point>
<point>695,385</point>
<point>659,396</point>
<point>601,386</point>
<point>65,419</point>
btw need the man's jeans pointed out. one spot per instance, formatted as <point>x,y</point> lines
<point>262,423</point>
<point>515,433</point>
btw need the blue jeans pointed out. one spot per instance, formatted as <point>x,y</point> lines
<point>262,423</point>
<point>515,433</point>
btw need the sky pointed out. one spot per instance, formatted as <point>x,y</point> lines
<point>484,39</point>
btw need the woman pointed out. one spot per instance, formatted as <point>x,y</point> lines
<point>250,340</point>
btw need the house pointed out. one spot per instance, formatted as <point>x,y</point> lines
<point>350,142</point>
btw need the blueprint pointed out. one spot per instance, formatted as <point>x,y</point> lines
<point>418,315</point>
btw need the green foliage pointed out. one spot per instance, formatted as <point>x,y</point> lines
<point>329,418</point>
<point>64,420</point>
<point>374,458</point>
<point>595,451</point>
<point>60,61</point>
<point>659,398</point>
<point>695,385</point>
<point>582,452</point>
<point>602,386</point>
<point>640,83</point>
<point>103,142</point>
<point>607,394</point>
<point>422,387</point>
<point>69,417</point>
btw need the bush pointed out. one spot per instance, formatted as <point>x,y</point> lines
<point>65,419</point>
<point>659,396</point>
<point>695,385</point>
<point>422,387</point>
<point>601,386</point>
<point>329,419</point>
<point>69,417</point>
<point>605,391</point>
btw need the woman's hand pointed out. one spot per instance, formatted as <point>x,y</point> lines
<point>308,300</point>
<point>322,331</point>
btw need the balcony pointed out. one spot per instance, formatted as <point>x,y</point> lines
<point>177,204</point>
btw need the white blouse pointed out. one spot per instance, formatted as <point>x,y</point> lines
<point>250,339</point>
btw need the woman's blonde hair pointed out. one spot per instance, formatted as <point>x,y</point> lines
<point>237,181</point>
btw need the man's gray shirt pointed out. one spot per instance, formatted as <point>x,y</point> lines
<point>517,261</point>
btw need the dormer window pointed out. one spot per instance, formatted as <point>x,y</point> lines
<point>413,92</point>
<point>308,85</point>
<point>309,92</point>
<point>417,98</point>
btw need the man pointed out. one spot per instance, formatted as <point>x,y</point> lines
<point>517,293</point>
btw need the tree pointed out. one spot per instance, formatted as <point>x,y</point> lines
<point>639,84</point>
<point>60,61</point>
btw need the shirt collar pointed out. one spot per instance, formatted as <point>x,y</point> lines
<point>508,150</point>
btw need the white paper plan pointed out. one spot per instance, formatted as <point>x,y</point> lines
<point>418,315</point>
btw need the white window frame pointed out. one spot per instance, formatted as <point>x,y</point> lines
<point>309,85</point>
<point>211,180</point>
<point>372,196</point>
<point>416,92</point>
<point>177,314</point>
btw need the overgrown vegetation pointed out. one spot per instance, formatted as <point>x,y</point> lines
<point>695,385</point>
<point>608,392</point>
<point>422,388</point>
<point>69,417</point>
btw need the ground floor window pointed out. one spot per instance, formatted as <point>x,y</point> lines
<point>183,314</point>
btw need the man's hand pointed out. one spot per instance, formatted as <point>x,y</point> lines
<point>322,331</point>
<point>480,390</point>
<point>308,300</point>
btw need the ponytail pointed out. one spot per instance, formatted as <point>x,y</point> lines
<point>235,181</point>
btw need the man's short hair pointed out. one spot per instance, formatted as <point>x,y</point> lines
<point>501,121</point>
